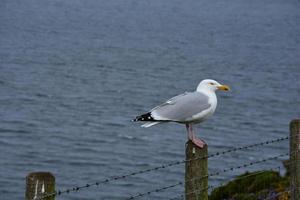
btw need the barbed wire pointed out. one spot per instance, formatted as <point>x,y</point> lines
<point>207,176</point>
<point>114,178</point>
<point>238,149</point>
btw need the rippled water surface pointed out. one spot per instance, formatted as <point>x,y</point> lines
<point>74,73</point>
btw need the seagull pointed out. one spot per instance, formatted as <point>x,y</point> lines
<point>188,108</point>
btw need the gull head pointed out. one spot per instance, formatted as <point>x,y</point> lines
<point>211,85</point>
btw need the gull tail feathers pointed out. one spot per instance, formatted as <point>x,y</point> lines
<point>148,124</point>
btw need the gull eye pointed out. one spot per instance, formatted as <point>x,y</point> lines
<point>211,83</point>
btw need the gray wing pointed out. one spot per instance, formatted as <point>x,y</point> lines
<point>182,107</point>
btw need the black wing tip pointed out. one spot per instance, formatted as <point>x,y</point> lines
<point>144,117</point>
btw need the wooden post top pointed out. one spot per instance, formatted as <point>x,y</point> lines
<point>36,175</point>
<point>39,184</point>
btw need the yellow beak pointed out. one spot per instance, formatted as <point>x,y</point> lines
<point>224,87</point>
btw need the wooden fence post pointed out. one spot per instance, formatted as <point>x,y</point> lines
<point>295,159</point>
<point>196,187</point>
<point>39,184</point>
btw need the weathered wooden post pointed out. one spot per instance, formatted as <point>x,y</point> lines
<point>195,186</point>
<point>39,184</point>
<point>295,159</point>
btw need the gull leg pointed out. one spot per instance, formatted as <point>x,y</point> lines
<point>191,136</point>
